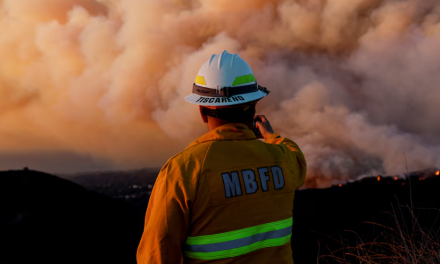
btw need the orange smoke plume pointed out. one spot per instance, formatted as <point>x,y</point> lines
<point>106,79</point>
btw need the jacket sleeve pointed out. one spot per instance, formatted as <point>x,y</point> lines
<point>167,218</point>
<point>296,157</point>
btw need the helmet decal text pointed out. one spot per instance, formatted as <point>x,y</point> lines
<point>219,100</point>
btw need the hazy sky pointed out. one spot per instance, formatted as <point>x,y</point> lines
<point>100,84</point>
<point>54,162</point>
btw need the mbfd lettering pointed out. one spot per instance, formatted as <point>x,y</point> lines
<point>232,183</point>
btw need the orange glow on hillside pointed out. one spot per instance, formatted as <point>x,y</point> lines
<point>378,178</point>
<point>437,173</point>
<point>340,185</point>
<point>396,178</point>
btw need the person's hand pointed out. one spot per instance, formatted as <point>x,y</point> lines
<point>263,125</point>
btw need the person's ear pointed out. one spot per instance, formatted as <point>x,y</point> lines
<point>251,111</point>
<point>202,114</point>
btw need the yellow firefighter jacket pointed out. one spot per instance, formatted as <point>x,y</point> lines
<point>227,198</point>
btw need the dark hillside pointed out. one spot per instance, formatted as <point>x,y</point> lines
<point>325,217</point>
<point>46,219</point>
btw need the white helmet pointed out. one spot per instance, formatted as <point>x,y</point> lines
<point>225,79</point>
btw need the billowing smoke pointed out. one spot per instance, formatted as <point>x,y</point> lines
<point>354,82</point>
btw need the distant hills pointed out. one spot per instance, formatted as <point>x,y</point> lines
<point>143,175</point>
<point>133,186</point>
<point>98,217</point>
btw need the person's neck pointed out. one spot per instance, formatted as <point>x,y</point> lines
<point>214,122</point>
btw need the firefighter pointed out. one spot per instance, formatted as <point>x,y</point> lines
<point>228,197</point>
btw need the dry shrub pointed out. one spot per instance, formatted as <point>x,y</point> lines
<point>405,243</point>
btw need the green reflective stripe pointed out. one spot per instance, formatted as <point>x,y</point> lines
<point>243,79</point>
<point>238,251</point>
<point>241,233</point>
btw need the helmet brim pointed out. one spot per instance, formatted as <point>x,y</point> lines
<point>224,101</point>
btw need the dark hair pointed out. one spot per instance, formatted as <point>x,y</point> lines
<point>231,114</point>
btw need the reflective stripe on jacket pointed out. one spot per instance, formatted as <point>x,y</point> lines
<point>227,198</point>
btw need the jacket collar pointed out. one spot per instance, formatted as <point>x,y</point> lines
<point>233,131</point>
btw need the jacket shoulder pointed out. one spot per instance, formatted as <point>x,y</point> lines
<point>188,161</point>
<point>197,152</point>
